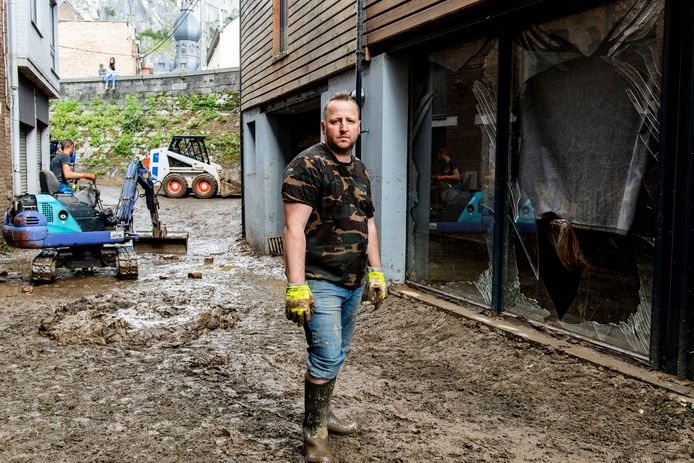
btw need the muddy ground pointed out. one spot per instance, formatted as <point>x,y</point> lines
<point>168,368</point>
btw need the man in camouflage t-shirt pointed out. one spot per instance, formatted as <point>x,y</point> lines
<point>329,237</point>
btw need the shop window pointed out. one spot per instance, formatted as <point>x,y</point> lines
<point>452,170</point>
<point>583,172</point>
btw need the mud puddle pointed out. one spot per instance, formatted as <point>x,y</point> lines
<point>114,319</point>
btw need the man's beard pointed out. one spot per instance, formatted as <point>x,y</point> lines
<point>340,151</point>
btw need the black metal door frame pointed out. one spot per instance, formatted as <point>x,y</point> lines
<point>673,273</point>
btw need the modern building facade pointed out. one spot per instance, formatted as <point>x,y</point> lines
<point>568,126</point>
<point>32,80</point>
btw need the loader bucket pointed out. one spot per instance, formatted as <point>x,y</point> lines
<point>229,188</point>
<point>172,243</point>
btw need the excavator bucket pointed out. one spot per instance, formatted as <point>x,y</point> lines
<point>170,243</point>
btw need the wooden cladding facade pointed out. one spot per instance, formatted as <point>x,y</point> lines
<point>386,19</point>
<point>320,42</point>
<point>320,39</point>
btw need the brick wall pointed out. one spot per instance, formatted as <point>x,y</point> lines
<point>209,81</point>
<point>84,45</point>
<point>5,147</point>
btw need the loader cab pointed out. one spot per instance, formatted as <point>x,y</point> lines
<point>184,166</point>
<point>191,146</point>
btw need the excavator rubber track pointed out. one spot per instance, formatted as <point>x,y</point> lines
<point>126,263</point>
<point>44,267</point>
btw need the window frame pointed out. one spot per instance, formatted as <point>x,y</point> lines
<point>54,34</point>
<point>34,16</point>
<point>280,19</point>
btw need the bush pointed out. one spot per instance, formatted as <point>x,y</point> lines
<point>132,117</point>
<point>227,146</point>
<point>124,145</point>
<point>95,139</point>
<point>154,141</point>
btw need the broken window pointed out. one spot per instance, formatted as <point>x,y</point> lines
<point>452,134</point>
<point>583,172</point>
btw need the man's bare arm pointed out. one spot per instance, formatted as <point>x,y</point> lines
<point>69,174</point>
<point>295,217</point>
<point>373,250</point>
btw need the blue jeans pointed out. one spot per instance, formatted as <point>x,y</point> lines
<point>330,331</point>
<point>111,76</point>
<point>65,189</point>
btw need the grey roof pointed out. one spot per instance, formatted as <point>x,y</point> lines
<point>187,26</point>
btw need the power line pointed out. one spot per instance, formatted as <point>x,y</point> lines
<point>97,51</point>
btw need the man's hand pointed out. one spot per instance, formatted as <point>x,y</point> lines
<point>299,304</point>
<point>89,176</point>
<point>376,290</point>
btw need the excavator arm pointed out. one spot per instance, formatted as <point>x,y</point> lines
<point>158,239</point>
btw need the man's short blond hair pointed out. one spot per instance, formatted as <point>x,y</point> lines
<point>338,96</point>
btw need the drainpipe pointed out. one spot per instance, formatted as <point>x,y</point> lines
<point>359,66</point>
<point>13,76</point>
<point>241,129</point>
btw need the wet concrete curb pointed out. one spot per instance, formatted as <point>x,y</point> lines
<point>521,330</point>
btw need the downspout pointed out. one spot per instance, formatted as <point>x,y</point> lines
<point>359,66</point>
<point>241,128</point>
<point>13,76</point>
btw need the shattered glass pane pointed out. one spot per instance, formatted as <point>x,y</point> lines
<point>453,130</point>
<point>585,137</point>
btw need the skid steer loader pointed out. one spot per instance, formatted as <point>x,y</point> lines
<point>185,166</point>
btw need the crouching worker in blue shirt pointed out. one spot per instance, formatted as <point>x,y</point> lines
<point>61,166</point>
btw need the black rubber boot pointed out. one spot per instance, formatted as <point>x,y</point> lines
<point>315,429</point>
<point>341,426</point>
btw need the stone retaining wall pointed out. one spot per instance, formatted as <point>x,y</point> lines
<point>172,84</point>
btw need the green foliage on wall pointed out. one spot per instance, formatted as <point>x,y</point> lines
<point>151,34</point>
<point>110,133</point>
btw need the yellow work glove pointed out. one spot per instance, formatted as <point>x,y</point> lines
<point>376,290</point>
<point>299,304</point>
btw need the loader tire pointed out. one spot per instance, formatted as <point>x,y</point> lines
<point>204,186</point>
<point>174,185</point>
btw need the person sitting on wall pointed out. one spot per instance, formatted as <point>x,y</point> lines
<point>102,74</point>
<point>61,166</point>
<point>111,72</point>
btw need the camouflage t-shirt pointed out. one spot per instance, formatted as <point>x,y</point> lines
<point>337,230</point>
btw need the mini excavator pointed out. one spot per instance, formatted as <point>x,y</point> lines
<point>75,231</point>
